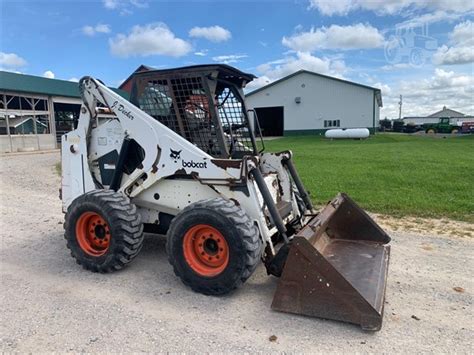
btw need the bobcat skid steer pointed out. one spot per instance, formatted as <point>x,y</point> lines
<point>181,158</point>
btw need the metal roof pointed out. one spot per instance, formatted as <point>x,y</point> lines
<point>38,85</point>
<point>141,68</point>
<point>221,71</point>
<point>447,112</point>
<point>377,91</point>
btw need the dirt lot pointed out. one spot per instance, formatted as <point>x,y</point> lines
<point>48,303</point>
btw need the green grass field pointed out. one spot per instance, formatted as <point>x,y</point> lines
<point>392,174</point>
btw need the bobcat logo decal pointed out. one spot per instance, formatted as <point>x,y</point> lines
<point>175,154</point>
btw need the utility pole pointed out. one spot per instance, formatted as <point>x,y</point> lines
<point>400,103</point>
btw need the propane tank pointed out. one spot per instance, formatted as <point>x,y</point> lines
<point>349,133</point>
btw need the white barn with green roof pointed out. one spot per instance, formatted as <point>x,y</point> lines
<point>36,111</point>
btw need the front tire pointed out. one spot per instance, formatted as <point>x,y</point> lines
<point>213,246</point>
<point>103,230</point>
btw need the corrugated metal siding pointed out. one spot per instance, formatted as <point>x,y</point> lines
<point>321,99</point>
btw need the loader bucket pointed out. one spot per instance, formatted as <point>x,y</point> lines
<point>337,267</point>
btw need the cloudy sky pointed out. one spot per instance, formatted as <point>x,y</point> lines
<point>422,49</point>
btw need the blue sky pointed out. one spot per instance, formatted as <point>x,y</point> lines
<point>421,49</point>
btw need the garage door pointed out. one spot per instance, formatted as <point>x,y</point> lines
<point>270,120</point>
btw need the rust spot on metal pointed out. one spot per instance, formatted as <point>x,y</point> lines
<point>180,172</point>
<point>157,159</point>
<point>215,190</point>
<point>235,201</point>
<point>285,152</point>
<point>227,163</point>
<point>337,267</point>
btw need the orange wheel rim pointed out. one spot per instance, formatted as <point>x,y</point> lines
<point>93,234</point>
<point>205,250</point>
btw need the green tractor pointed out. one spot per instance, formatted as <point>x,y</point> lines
<point>443,126</point>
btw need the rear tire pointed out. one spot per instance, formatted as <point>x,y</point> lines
<point>213,246</point>
<point>103,230</point>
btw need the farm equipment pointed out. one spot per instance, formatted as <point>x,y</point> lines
<point>443,126</point>
<point>181,158</point>
<point>467,127</point>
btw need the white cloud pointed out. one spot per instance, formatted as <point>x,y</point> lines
<point>92,30</point>
<point>117,4</point>
<point>111,4</point>
<point>151,39</point>
<point>258,83</point>
<point>125,7</point>
<point>74,79</point>
<point>11,60</point>
<point>336,37</point>
<point>48,74</point>
<point>443,79</point>
<point>386,89</point>
<point>431,17</point>
<point>227,59</point>
<point>280,68</point>
<point>343,7</point>
<point>454,55</point>
<point>423,96</point>
<point>462,49</point>
<point>213,33</point>
<point>140,4</point>
<point>397,66</point>
<point>201,53</point>
<point>463,32</point>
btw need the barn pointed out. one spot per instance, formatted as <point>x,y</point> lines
<point>36,111</point>
<point>306,102</point>
<point>454,117</point>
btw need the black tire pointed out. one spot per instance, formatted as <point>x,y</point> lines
<point>122,225</point>
<point>240,234</point>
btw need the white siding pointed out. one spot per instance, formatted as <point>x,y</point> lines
<point>321,99</point>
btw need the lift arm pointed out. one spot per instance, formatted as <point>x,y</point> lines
<point>166,152</point>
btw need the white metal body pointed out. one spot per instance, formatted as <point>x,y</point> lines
<point>166,153</point>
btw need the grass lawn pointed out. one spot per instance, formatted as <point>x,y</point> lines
<point>392,174</point>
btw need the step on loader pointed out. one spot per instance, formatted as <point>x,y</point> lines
<point>184,157</point>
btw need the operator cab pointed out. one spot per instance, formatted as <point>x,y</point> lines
<point>202,103</point>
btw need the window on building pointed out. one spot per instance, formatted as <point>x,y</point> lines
<point>332,123</point>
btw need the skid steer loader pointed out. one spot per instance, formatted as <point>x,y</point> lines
<point>181,158</point>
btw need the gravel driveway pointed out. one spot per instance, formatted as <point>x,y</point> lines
<point>49,303</point>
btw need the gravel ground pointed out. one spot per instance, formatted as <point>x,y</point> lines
<point>48,303</point>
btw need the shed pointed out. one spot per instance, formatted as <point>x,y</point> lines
<point>306,102</point>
